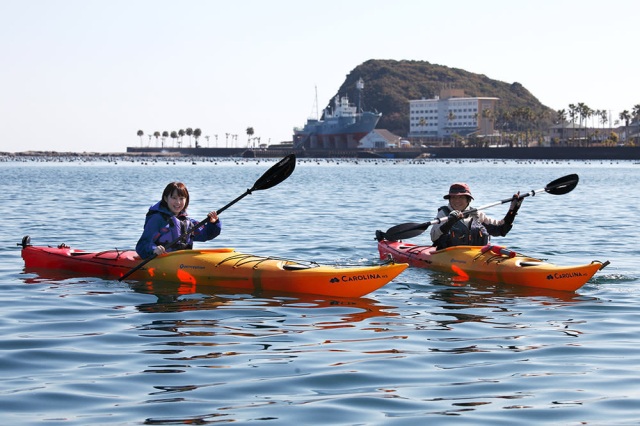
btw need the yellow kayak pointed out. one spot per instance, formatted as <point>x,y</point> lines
<point>491,263</point>
<point>222,267</point>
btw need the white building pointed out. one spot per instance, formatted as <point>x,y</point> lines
<point>380,139</point>
<point>451,113</point>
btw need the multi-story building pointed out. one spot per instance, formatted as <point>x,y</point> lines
<point>450,114</point>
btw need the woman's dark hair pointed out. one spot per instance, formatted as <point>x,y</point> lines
<point>180,189</point>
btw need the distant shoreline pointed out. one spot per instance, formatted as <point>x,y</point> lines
<point>532,153</point>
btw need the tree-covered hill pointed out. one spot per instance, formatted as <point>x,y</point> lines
<point>390,84</point>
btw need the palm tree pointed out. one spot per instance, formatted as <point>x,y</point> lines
<point>156,135</point>
<point>597,115</point>
<point>636,112</point>
<point>625,116</point>
<point>249,134</point>
<point>588,113</point>
<point>562,119</point>
<point>196,134</point>
<point>181,135</point>
<point>165,135</point>
<point>422,123</point>
<point>140,135</point>
<point>450,117</point>
<point>189,132</point>
<point>501,123</point>
<point>573,112</point>
<point>530,123</point>
<point>636,118</point>
<point>582,111</point>
<point>603,119</point>
<point>523,118</point>
<point>487,115</point>
<point>174,136</point>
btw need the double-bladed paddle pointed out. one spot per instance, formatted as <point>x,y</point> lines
<point>404,231</point>
<point>276,174</point>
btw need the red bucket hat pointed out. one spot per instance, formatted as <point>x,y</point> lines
<point>459,189</point>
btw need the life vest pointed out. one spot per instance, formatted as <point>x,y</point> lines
<point>465,232</point>
<point>176,226</point>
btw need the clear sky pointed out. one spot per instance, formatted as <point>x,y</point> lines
<point>86,75</point>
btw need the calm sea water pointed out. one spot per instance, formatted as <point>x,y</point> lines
<point>420,350</point>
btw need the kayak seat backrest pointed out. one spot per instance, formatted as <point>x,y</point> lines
<point>295,267</point>
<point>530,263</point>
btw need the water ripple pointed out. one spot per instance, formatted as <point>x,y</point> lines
<point>421,349</point>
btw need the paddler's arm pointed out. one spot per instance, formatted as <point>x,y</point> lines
<point>146,246</point>
<point>210,230</point>
<point>516,202</point>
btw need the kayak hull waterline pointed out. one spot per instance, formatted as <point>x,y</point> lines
<point>222,267</point>
<point>491,263</point>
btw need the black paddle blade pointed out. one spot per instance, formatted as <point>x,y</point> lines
<point>563,185</point>
<point>403,231</point>
<point>276,174</point>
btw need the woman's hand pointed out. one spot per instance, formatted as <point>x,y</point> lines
<point>159,250</point>
<point>213,217</point>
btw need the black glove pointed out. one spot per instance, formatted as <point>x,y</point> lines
<point>516,202</point>
<point>453,217</point>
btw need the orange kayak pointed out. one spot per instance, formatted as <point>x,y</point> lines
<point>491,263</point>
<point>222,267</point>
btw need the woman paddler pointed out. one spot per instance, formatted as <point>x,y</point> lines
<point>167,221</point>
